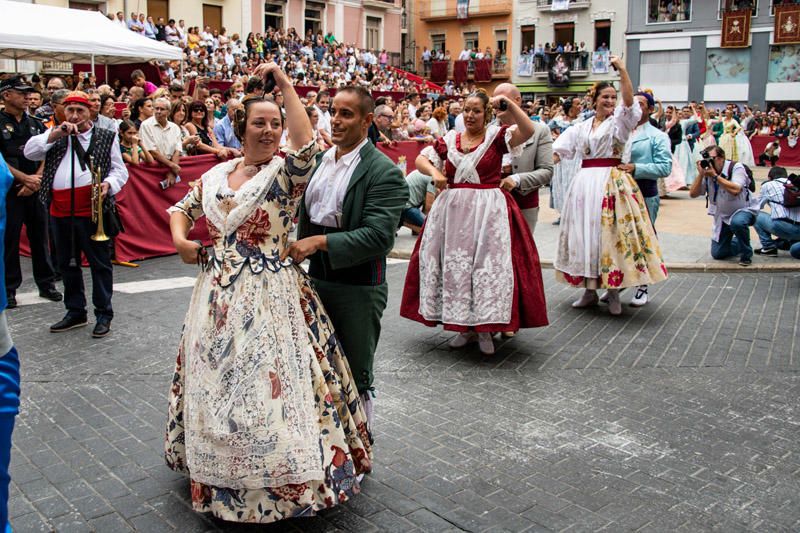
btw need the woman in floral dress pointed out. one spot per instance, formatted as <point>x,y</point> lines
<point>606,238</point>
<point>263,413</point>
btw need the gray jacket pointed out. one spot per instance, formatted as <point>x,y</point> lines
<point>534,167</point>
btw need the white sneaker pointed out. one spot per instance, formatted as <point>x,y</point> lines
<point>462,339</point>
<point>588,299</point>
<point>486,343</point>
<point>640,297</point>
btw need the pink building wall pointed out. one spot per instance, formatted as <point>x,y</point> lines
<point>330,20</point>
<point>392,27</point>
<point>257,18</point>
<point>294,14</point>
<point>353,25</point>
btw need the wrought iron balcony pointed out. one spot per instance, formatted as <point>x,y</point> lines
<point>430,10</point>
<point>547,5</point>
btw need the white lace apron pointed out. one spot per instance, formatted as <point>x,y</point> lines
<point>465,268</point>
<point>249,406</point>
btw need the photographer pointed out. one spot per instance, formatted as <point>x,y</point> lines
<point>783,221</point>
<point>730,202</point>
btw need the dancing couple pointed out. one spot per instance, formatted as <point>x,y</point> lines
<point>270,406</point>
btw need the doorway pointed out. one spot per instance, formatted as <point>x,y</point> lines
<point>212,16</point>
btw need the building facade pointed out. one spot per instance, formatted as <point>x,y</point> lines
<point>597,24</point>
<point>487,24</point>
<point>677,53</point>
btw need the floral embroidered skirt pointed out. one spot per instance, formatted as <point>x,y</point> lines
<point>344,449</point>
<point>606,239</point>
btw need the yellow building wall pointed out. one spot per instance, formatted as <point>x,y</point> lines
<point>454,31</point>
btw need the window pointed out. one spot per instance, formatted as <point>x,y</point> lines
<point>528,34</point>
<point>736,5</point>
<point>727,65</point>
<point>471,40</point>
<point>783,65</point>
<point>313,16</point>
<point>438,42</point>
<point>565,33</point>
<point>670,67</point>
<point>372,39</point>
<point>273,15</point>
<point>602,34</point>
<point>661,11</point>
<point>501,43</point>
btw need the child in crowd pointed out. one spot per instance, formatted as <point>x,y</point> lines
<point>132,153</point>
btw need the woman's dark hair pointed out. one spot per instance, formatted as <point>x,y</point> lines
<point>310,111</point>
<point>598,88</point>
<point>241,115</point>
<point>175,108</point>
<point>566,105</point>
<point>197,105</point>
<point>137,108</point>
<point>103,99</point>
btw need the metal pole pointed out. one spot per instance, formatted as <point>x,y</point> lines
<point>92,64</point>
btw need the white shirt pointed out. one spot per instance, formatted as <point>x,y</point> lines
<point>166,140</point>
<point>37,147</point>
<point>464,55</point>
<point>459,126</point>
<point>324,122</point>
<point>325,192</point>
<point>412,111</point>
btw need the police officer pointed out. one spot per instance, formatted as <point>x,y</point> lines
<point>16,127</point>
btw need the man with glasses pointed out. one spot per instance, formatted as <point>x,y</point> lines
<point>162,139</point>
<point>734,207</point>
<point>381,128</point>
<point>45,112</point>
<point>16,128</point>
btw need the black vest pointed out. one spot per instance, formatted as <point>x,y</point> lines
<point>103,142</point>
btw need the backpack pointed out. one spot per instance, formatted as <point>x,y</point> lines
<point>791,191</point>
<point>751,182</point>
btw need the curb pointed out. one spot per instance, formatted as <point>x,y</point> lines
<point>708,268</point>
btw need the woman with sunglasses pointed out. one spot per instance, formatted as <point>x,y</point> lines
<point>264,414</point>
<point>198,125</point>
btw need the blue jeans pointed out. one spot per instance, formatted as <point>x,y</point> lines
<point>412,215</point>
<point>766,227</point>
<point>652,204</point>
<point>734,238</point>
<point>795,250</point>
<point>9,407</point>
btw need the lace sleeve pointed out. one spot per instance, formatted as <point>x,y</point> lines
<point>506,133</point>
<point>300,164</point>
<point>625,120</point>
<point>191,205</point>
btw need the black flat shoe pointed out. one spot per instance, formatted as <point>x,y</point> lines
<point>11,301</point>
<point>101,329</point>
<point>51,294</point>
<point>69,322</point>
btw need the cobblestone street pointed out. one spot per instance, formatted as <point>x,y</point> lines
<point>683,415</point>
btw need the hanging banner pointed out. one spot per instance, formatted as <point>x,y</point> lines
<point>736,29</point>
<point>462,9</point>
<point>787,24</point>
<point>559,5</point>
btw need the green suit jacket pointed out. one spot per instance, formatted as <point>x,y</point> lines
<point>371,211</point>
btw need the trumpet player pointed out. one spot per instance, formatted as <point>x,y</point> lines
<point>68,151</point>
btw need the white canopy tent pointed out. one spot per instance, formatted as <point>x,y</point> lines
<point>38,32</point>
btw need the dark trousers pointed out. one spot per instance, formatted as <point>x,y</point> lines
<point>763,158</point>
<point>99,256</point>
<point>27,210</point>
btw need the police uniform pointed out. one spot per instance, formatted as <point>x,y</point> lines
<point>25,210</point>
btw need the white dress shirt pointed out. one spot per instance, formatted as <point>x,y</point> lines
<point>325,192</point>
<point>36,150</point>
<point>324,122</point>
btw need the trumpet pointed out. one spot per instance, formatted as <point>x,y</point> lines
<point>97,202</point>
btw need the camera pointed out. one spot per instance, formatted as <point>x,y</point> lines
<point>708,159</point>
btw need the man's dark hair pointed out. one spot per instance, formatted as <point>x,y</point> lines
<point>776,173</point>
<point>322,93</point>
<point>214,91</point>
<point>171,21</point>
<point>381,100</point>
<point>718,151</point>
<point>254,84</point>
<point>366,104</point>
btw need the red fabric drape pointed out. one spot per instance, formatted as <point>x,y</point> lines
<point>121,72</point>
<point>143,207</point>
<point>483,69</point>
<point>460,71</point>
<point>409,149</point>
<point>790,157</point>
<point>439,71</point>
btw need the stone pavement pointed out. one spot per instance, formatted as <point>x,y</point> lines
<point>684,231</point>
<point>680,416</point>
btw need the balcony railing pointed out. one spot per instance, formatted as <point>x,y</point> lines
<point>578,62</point>
<point>446,9</point>
<point>499,69</point>
<point>547,5</point>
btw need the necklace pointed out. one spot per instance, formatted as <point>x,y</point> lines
<point>252,169</point>
<point>468,143</point>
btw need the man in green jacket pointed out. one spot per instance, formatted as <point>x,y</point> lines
<point>347,223</point>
